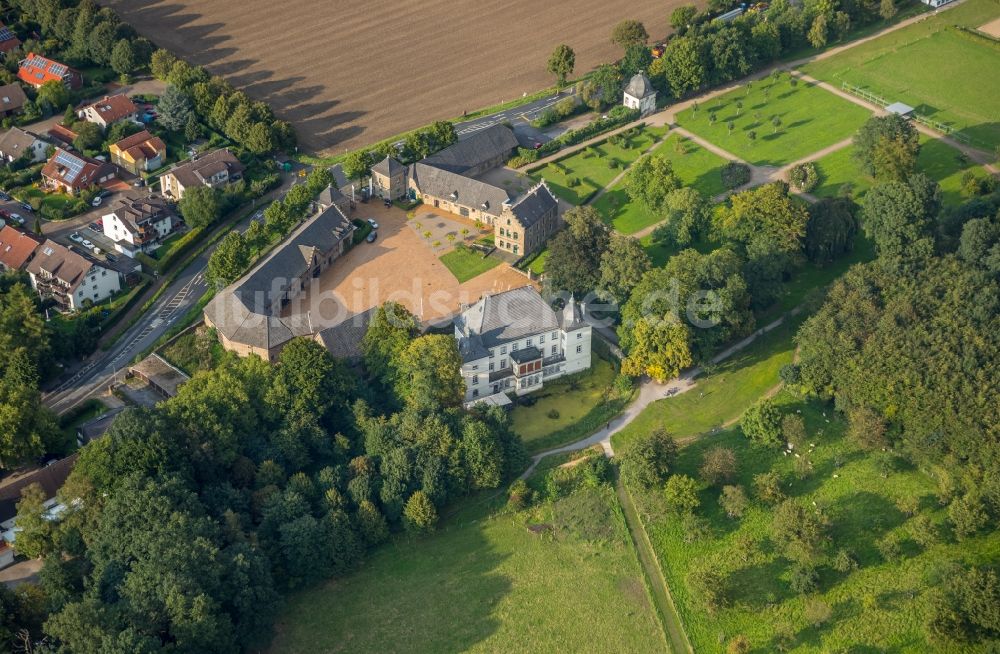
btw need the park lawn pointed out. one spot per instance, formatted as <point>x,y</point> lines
<point>959,89</point>
<point>572,397</point>
<point>720,395</point>
<point>578,177</point>
<point>695,166</point>
<point>880,606</point>
<point>484,583</point>
<point>465,264</point>
<point>938,160</point>
<point>811,119</point>
<point>660,252</point>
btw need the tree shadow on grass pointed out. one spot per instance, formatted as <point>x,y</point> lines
<point>859,520</point>
<point>759,585</point>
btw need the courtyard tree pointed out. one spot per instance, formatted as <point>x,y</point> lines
<point>200,206</point>
<point>622,267</point>
<point>357,165</point>
<point>575,253</point>
<point>629,32</point>
<point>562,63</point>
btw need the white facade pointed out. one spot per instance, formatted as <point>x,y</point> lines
<point>640,94</point>
<point>127,241</point>
<point>99,284</point>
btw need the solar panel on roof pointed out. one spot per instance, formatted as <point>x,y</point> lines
<point>58,69</point>
<point>72,164</point>
<point>5,34</point>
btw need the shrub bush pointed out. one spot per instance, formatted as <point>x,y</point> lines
<point>553,414</point>
<point>804,176</point>
<point>735,174</point>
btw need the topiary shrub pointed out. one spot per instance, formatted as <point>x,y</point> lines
<point>735,174</point>
<point>553,414</point>
<point>804,176</point>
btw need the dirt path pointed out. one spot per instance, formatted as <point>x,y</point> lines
<point>677,640</point>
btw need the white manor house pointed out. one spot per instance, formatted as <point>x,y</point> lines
<point>514,342</point>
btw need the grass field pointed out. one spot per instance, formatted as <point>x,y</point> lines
<point>592,167</point>
<point>571,398</point>
<point>694,165</point>
<point>721,394</point>
<point>484,583</point>
<point>811,119</point>
<point>937,160</point>
<point>958,89</point>
<point>465,264</point>
<point>879,607</point>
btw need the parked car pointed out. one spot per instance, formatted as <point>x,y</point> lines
<point>87,244</point>
<point>17,219</point>
<point>110,257</point>
<point>371,237</point>
<point>75,237</point>
<point>5,196</point>
<point>387,202</point>
<point>27,207</point>
<point>372,222</point>
<point>95,227</point>
<point>139,182</point>
<point>96,202</point>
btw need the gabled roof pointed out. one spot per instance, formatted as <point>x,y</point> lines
<point>66,265</point>
<point>141,145</point>
<point>16,247</point>
<point>502,317</point>
<point>534,205</point>
<point>475,150</point>
<point>11,96</point>
<point>16,141</point>
<point>113,107</point>
<point>466,191</point>
<point>74,169</point>
<point>136,211</point>
<point>640,86</point>
<point>8,40</point>
<point>196,171</point>
<point>50,478</point>
<point>388,167</point>
<point>343,340</point>
<point>36,69</point>
<point>240,311</point>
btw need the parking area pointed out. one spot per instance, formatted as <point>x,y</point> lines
<point>399,266</point>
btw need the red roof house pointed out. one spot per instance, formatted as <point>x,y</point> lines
<point>16,248</point>
<point>72,172</point>
<point>8,40</point>
<point>37,70</point>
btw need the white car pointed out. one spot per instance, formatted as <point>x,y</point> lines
<point>373,223</point>
<point>17,218</point>
<point>96,202</point>
<point>87,244</point>
<point>75,237</point>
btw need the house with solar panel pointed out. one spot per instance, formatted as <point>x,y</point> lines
<point>71,172</point>
<point>8,40</point>
<point>71,279</point>
<point>514,342</point>
<point>36,70</point>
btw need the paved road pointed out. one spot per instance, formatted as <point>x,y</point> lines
<point>514,115</point>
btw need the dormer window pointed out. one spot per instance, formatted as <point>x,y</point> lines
<point>486,205</point>
<point>454,195</point>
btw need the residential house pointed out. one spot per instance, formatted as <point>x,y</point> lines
<point>12,99</point>
<point>141,152</point>
<point>36,70</point>
<point>72,172</point>
<point>389,179</point>
<point>50,478</point>
<point>248,314</point>
<point>640,94</point>
<point>109,110</point>
<point>17,248</point>
<point>514,341</point>
<point>8,40</point>
<point>214,169</point>
<point>458,194</point>
<point>525,225</point>
<point>16,143</point>
<point>139,224</point>
<point>71,279</point>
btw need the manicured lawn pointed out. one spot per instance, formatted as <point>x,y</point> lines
<point>720,395</point>
<point>538,264</point>
<point>937,160</point>
<point>578,177</point>
<point>572,399</point>
<point>811,119</point>
<point>880,606</point>
<point>484,583</point>
<point>694,165</point>
<point>465,264</point>
<point>959,89</point>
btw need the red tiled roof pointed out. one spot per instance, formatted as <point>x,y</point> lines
<point>16,247</point>
<point>62,133</point>
<point>73,169</point>
<point>114,107</point>
<point>36,69</point>
<point>142,145</point>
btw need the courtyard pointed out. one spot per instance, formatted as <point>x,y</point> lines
<point>403,266</point>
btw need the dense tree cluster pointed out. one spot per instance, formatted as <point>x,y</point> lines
<point>193,516</point>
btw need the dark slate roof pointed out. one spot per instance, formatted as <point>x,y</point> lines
<point>533,205</point>
<point>501,317</point>
<point>464,190</point>
<point>98,426</point>
<point>475,150</point>
<point>50,478</point>
<point>195,171</point>
<point>526,354</point>
<point>343,340</point>
<point>239,310</point>
<point>639,86</point>
<point>388,167</point>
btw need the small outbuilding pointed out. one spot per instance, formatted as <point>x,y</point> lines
<point>640,94</point>
<point>900,109</point>
<point>160,375</point>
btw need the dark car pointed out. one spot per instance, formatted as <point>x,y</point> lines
<point>4,196</point>
<point>26,207</point>
<point>371,237</point>
<point>110,257</point>
<point>387,202</point>
<point>95,227</point>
